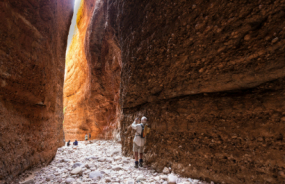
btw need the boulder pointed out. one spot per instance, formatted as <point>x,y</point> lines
<point>77,170</point>
<point>166,170</point>
<point>95,175</point>
<point>172,179</point>
<point>140,178</point>
<point>116,168</point>
<point>102,159</point>
<point>69,180</point>
<point>130,181</point>
<point>77,164</point>
<point>117,158</point>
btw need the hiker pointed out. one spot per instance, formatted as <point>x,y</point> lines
<point>75,143</point>
<point>139,140</point>
<point>89,135</point>
<point>68,143</point>
<point>86,137</point>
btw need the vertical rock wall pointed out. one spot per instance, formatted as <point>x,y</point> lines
<point>92,81</point>
<point>209,75</point>
<point>104,57</point>
<point>33,36</point>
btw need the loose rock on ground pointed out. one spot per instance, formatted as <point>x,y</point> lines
<point>99,162</point>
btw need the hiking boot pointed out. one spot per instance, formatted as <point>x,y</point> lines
<point>141,164</point>
<point>136,165</point>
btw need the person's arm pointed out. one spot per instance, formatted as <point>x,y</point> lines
<point>134,125</point>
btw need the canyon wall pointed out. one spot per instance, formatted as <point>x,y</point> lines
<point>33,36</point>
<point>209,76</point>
<point>91,91</point>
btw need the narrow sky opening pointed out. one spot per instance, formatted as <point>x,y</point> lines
<point>73,26</point>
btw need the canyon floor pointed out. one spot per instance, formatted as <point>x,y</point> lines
<point>96,162</point>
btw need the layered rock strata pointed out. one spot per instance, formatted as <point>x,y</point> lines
<point>92,81</point>
<point>32,51</point>
<point>209,75</point>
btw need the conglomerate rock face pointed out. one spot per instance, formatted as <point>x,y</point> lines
<point>91,91</point>
<point>209,76</point>
<point>33,36</point>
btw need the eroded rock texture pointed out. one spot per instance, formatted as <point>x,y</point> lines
<point>92,81</point>
<point>209,75</point>
<point>33,36</point>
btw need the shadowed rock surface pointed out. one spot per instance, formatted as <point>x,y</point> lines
<point>209,75</point>
<point>32,51</point>
<point>92,81</point>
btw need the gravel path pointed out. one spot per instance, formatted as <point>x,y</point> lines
<point>100,162</point>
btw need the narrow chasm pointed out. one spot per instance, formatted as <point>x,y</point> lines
<point>93,70</point>
<point>205,80</point>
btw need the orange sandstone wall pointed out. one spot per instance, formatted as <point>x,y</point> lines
<point>76,84</point>
<point>33,37</point>
<point>92,81</point>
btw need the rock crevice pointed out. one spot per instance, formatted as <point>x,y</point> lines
<point>94,66</point>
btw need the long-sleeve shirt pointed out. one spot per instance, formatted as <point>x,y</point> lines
<point>138,140</point>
